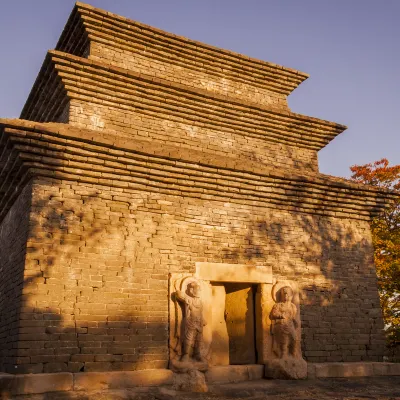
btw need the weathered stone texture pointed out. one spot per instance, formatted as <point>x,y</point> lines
<point>13,237</point>
<point>196,77</point>
<point>99,261</point>
<point>138,105</point>
<point>121,42</point>
<point>162,129</point>
<point>145,153</point>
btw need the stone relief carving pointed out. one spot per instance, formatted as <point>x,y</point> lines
<point>193,321</point>
<point>287,361</point>
<point>193,328</point>
<point>285,322</point>
<point>190,345</point>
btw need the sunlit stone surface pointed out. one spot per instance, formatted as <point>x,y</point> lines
<point>144,161</point>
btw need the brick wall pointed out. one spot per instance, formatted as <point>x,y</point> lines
<point>13,237</point>
<point>101,259</point>
<point>198,77</point>
<point>162,129</point>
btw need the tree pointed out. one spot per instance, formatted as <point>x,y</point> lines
<point>386,239</point>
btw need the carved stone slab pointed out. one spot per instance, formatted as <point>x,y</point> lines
<point>178,330</point>
<point>285,359</point>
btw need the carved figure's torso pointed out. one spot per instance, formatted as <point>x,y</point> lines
<point>283,315</point>
<point>194,313</point>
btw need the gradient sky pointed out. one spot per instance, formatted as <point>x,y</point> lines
<point>350,48</point>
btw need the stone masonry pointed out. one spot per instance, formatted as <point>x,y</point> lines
<point>139,154</point>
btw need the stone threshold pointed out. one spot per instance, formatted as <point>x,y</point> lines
<point>26,384</point>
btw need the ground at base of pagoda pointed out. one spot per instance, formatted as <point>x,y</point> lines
<point>371,388</point>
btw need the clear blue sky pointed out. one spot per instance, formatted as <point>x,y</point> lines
<point>350,48</point>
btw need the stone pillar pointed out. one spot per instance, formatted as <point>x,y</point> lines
<point>264,304</point>
<point>220,338</point>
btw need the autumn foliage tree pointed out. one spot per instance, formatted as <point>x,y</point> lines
<point>386,239</point>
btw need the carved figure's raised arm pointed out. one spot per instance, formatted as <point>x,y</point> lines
<point>181,296</point>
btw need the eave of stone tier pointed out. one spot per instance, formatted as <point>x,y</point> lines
<point>89,24</point>
<point>64,76</point>
<point>61,152</point>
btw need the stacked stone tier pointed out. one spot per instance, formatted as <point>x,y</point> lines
<point>62,152</point>
<point>64,76</point>
<point>123,42</point>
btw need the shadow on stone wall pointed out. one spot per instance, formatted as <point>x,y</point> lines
<point>332,260</point>
<point>66,322</point>
<point>68,326</point>
<point>13,236</point>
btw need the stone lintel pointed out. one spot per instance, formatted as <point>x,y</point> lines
<point>220,272</point>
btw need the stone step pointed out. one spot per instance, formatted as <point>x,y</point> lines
<point>352,369</point>
<point>234,373</point>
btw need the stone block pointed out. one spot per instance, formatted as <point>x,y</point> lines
<point>52,367</point>
<point>118,380</point>
<point>166,394</point>
<point>191,381</point>
<point>343,370</point>
<point>6,384</point>
<point>220,272</point>
<point>286,368</point>
<point>26,368</point>
<point>255,372</point>
<point>354,369</point>
<point>220,338</point>
<point>234,373</point>
<point>386,369</point>
<point>393,369</point>
<point>311,371</point>
<point>36,383</point>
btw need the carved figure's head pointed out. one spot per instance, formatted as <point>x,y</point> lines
<point>194,289</point>
<point>286,294</point>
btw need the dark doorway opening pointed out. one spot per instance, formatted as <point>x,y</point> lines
<point>240,322</point>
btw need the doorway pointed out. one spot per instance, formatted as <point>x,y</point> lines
<point>240,322</point>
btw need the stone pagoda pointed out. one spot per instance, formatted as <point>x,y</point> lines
<point>161,208</point>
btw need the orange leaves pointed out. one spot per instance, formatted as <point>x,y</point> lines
<point>386,239</point>
<point>377,174</point>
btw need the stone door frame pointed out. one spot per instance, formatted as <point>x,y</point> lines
<point>233,273</point>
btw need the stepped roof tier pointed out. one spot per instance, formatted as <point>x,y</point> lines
<point>88,25</point>
<point>123,104</point>
<point>64,77</point>
<point>64,152</point>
